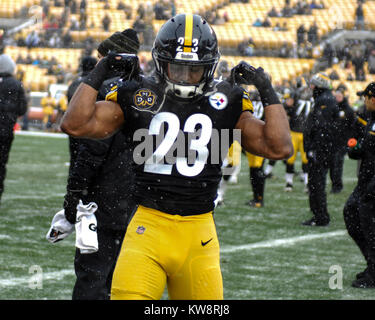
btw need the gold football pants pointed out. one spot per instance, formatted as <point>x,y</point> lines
<point>180,251</point>
<point>297,140</point>
<point>234,154</point>
<point>254,161</point>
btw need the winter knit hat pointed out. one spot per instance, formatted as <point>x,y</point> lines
<point>7,65</point>
<point>120,42</point>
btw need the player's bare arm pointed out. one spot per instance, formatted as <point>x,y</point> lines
<point>270,138</point>
<point>90,119</point>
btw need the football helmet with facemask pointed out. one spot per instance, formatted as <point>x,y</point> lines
<point>186,54</point>
<point>321,80</point>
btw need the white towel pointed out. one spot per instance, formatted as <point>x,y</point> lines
<point>86,235</point>
<point>60,228</point>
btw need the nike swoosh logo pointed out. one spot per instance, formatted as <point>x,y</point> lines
<point>204,243</point>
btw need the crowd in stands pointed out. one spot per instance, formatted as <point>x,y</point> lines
<point>301,7</point>
<point>306,38</point>
<point>356,58</point>
<point>56,31</point>
<point>63,75</point>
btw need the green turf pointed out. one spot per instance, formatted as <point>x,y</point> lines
<point>262,268</point>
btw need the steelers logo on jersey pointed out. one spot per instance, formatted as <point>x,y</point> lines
<point>144,98</point>
<point>218,100</point>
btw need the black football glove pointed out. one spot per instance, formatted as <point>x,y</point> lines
<point>244,73</point>
<point>97,75</point>
<point>128,64</point>
<point>125,63</point>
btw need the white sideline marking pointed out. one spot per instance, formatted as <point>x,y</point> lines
<point>55,275</point>
<point>58,275</point>
<point>282,242</point>
<point>41,134</point>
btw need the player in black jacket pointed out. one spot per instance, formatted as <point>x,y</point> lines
<point>87,64</point>
<point>359,210</point>
<point>345,125</point>
<point>101,172</point>
<point>13,103</point>
<point>319,136</point>
<point>171,239</point>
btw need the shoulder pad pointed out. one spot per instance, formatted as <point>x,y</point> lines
<point>112,94</point>
<point>247,105</point>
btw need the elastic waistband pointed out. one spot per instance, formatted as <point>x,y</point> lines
<point>165,215</point>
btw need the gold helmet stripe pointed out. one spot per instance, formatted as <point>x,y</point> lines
<point>324,77</point>
<point>188,32</point>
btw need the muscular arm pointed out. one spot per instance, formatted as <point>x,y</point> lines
<point>270,138</point>
<point>90,119</point>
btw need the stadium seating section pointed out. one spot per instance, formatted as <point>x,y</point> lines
<point>339,13</point>
<point>239,28</point>
<point>36,78</point>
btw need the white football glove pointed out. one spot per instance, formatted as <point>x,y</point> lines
<point>60,228</point>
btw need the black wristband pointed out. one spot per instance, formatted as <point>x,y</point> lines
<point>268,96</point>
<point>97,76</point>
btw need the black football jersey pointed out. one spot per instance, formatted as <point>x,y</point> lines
<point>178,146</point>
<point>298,114</point>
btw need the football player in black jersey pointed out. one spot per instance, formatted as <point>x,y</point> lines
<point>297,110</point>
<point>256,173</point>
<point>178,121</point>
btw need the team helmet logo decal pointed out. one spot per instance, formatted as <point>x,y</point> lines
<point>144,98</point>
<point>218,100</point>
